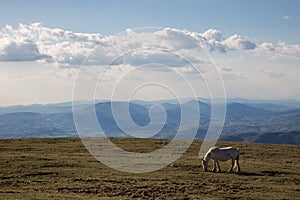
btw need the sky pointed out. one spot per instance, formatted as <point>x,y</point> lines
<point>50,50</point>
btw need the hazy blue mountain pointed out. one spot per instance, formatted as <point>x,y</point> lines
<point>63,107</point>
<point>279,138</point>
<point>292,137</point>
<point>104,112</point>
<point>270,107</point>
<point>40,108</point>
<point>239,137</point>
<point>27,124</point>
<point>292,97</point>
<point>56,120</point>
<point>243,110</point>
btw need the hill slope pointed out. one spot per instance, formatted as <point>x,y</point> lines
<point>63,169</point>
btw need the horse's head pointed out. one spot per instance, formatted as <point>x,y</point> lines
<point>204,165</point>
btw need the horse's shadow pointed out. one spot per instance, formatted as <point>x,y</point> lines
<point>241,173</point>
<point>264,173</point>
<point>244,173</point>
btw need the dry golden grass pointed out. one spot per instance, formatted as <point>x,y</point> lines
<point>63,169</point>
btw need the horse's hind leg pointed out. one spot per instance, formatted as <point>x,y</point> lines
<point>232,165</point>
<point>219,168</point>
<point>238,166</point>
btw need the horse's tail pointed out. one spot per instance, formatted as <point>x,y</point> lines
<point>236,163</point>
<point>238,155</point>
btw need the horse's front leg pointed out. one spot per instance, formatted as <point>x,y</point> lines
<point>214,169</point>
<point>232,165</point>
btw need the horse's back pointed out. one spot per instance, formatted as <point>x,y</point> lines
<point>216,149</point>
<point>229,149</point>
<point>224,153</point>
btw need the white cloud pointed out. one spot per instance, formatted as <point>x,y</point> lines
<point>236,42</point>
<point>267,46</point>
<point>281,50</point>
<point>178,39</point>
<point>286,17</point>
<point>274,74</point>
<point>69,49</point>
<point>229,73</point>
<point>23,50</point>
<point>51,45</point>
<point>213,40</point>
<point>212,35</point>
<point>227,69</point>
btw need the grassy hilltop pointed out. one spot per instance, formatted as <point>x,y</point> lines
<point>63,169</point>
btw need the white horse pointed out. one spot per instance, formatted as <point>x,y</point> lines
<point>221,154</point>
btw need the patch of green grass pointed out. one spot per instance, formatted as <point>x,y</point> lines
<point>62,168</point>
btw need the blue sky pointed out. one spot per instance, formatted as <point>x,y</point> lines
<point>254,44</point>
<point>262,20</point>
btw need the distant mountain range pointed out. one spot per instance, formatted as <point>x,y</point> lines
<point>292,137</point>
<point>250,121</point>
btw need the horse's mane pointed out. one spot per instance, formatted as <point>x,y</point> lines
<point>209,152</point>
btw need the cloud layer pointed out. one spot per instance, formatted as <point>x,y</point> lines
<point>35,42</point>
<point>279,50</point>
